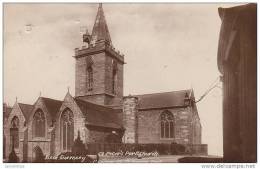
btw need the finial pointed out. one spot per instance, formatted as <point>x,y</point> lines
<point>40,94</point>
<point>68,89</point>
<point>16,99</point>
<point>100,5</point>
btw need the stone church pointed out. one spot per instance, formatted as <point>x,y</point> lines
<point>99,110</point>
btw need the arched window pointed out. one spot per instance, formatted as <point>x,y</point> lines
<point>14,132</point>
<point>67,129</point>
<point>39,124</point>
<point>90,78</point>
<point>167,125</point>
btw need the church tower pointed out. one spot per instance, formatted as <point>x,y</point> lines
<point>99,67</point>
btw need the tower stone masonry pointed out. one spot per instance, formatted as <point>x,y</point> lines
<point>106,65</point>
<point>130,110</point>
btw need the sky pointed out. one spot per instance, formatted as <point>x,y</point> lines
<point>167,47</point>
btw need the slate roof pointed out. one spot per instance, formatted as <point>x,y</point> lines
<point>163,100</point>
<point>99,115</point>
<point>26,110</point>
<point>117,102</point>
<point>52,105</point>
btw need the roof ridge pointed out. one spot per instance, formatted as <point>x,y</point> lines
<point>85,101</point>
<point>26,104</point>
<point>163,92</point>
<point>51,99</point>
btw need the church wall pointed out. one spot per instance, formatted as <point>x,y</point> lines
<point>98,77</point>
<point>25,146</point>
<point>109,77</point>
<point>79,122</point>
<point>149,126</point>
<point>16,111</point>
<point>81,77</point>
<point>129,119</point>
<point>97,134</point>
<point>197,132</point>
<point>42,142</point>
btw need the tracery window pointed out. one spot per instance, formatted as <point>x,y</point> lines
<point>39,124</point>
<point>14,132</point>
<point>167,125</point>
<point>67,129</point>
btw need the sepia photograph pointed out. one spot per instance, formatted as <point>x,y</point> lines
<point>129,83</point>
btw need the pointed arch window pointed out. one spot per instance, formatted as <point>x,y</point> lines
<point>67,130</point>
<point>14,132</point>
<point>167,125</point>
<point>39,124</point>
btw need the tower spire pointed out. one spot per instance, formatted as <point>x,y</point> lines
<point>100,30</point>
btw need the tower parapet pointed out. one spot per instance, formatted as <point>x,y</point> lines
<point>102,46</point>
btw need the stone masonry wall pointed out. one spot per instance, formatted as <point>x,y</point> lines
<point>129,119</point>
<point>102,79</point>
<point>96,136</point>
<point>16,111</point>
<point>43,142</point>
<point>81,78</point>
<point>79,122</point>
<point>109,77</point>
<point>149,126</point>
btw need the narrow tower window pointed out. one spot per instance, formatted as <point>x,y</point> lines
<point>90,78</point>
<point>89,73</point>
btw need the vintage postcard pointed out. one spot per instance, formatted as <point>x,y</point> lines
<point>130,83</point>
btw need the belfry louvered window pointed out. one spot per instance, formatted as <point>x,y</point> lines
<point>67,130</point>
<point>39,124</point>
<point>167,125</point>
